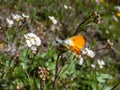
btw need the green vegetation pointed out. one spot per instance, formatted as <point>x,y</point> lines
<point>52,66</point>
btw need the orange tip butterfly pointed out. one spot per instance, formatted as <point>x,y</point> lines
<point>75,43</point>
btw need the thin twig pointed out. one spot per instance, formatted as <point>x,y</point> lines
<point>115,87</point>
<point>62,70</point>
<point>101,48</point>
<point>56,73</point>
<point>83,22</point>
<point>95,17</point>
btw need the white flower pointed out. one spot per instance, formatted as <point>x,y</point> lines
<point>97,1</point>
<point>93,66</point>
<point>23,65</point>
<point>25,16</point>
<point>53,19</point>
<point>71,8</point>
<point>32,41</point>
<point>10,22</point>
<point>115,18</point>
<point>101,63</point>
<point>34,48</point>
<point>88,52</point>
<point>117,7</point>
<point>17,17</point>
<point>81,61</point>
<point>65,6</point>
<point>68,7</point>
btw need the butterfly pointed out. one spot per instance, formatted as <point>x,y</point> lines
<point>75,43</point>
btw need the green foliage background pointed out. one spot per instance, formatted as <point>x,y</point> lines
<point>23,70</point>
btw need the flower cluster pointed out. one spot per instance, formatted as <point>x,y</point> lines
<point>100,64</point>
<point>88,52</point>
<point>10,22</point>
<point>43,73</point>
<point>16,19</point>
<point>85,52</point>
<point>32,40</point>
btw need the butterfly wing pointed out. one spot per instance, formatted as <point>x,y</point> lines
<point>77,43</point>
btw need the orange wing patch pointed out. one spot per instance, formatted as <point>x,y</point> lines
<point>78,43</point>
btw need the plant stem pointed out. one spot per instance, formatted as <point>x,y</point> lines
<point>82,23</point>
<point>92,18</point>
<point>41,87</point>
<point>97,88</point>
<point>56,73</point>
<point>115,86</point>
<point>64,69</point>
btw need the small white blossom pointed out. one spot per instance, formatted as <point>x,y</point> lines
<point>101,63</point>
<point>17,17</point>
<point>84,52</point>
<point>71,8</point>
<point>53,19</point>
<point>115,18</point>
<point>34,48</point>
<point>97,1</point>
<point>10,22</point>
<point>32,41</point>
<point>25,16</point>
<point>68,7</point>
<point>93,66</point>
<point>65,6</point>
<point>117,7</point>
<point>81,61</point>
<point>88,52</point>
